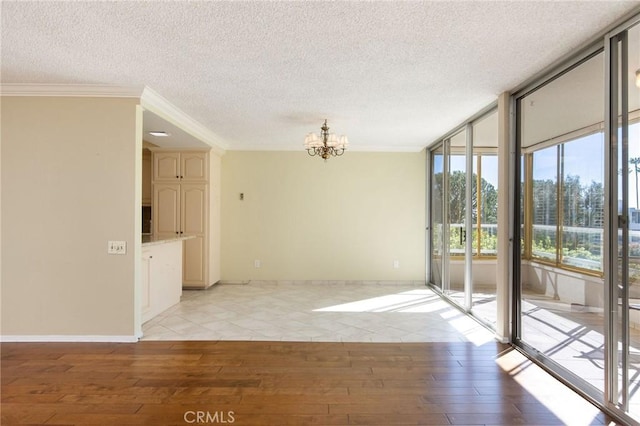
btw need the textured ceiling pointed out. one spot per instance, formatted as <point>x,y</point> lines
<point>390,75</point>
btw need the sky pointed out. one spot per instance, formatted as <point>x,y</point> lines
<point>583,157</point>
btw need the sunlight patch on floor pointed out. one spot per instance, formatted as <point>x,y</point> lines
<point>469,328</point>
<point>547,390</point>
<point>408,301</point>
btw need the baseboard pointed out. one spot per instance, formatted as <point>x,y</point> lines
<point>414,283</point>
<point>502,339</point>
<point>68,338</point>
<point>202,287</point>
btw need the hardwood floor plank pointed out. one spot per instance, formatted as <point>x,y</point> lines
<point>24,414</point>
<point>87,419</point>
<point>197,382</point>
<point>302,390</point>
<point>395,407</point>
<point>399,419</point>
<point>99,408</point>
<point>291,420</point>
<point>323,382</point>
<point>422,391</point>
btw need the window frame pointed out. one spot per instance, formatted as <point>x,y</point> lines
<point>478,152</point>
<point>528,152</point>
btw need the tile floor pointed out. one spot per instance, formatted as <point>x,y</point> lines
<point>316,311</point>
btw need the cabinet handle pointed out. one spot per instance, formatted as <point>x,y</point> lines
<point>181,177</point>
<point>177,177</point>
<point>177,232</point>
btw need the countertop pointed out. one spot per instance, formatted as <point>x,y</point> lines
<point>150,240</point>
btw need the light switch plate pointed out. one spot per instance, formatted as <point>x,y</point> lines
<point>117,247</point>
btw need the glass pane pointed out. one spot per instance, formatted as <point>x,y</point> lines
<point>633,262</point>
<point>545,203</point>
<point>457,204</point>
<point>583,202</point>
<point>488,207</point>
<point>437,168</point>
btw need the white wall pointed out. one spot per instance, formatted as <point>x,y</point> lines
<point>305,219</point>
<point>68,186</point>
<point>483,272</point>
<point>563,285</point>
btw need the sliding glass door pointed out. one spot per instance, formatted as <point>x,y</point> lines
<point>623,252</point>
<point>577,270</point>
<point>463,216</point>
<point>561,283</point>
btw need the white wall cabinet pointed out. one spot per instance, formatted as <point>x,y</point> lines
<point>176,166</point>
<point>181,208</point>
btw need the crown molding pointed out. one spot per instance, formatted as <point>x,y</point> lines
<point>71,90</point>
<point>155,103</point>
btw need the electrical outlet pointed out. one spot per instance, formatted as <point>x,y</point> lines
<point>396,264</point>
<point>117,247</point>
<point>256,263</point>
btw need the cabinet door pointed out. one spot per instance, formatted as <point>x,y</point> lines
<point>193,208</point>
<point>166,166</point>
<point>194,272</point>
<point>193,166</point>
<point>194,213</point>
<point>166,210</point>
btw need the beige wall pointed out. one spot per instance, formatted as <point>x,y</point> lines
<point>215,187</point>
<point>68,186</point>
<point>305,219</point>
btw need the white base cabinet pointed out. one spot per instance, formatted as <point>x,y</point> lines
<point>161,277</point>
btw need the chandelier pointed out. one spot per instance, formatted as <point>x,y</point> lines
<point>326,144</point>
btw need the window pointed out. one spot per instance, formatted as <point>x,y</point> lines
<point>485,212</point>
<point>484,204</point>
<point>566,196</point>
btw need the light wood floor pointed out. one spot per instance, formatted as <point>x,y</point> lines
<point>282,383</point>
